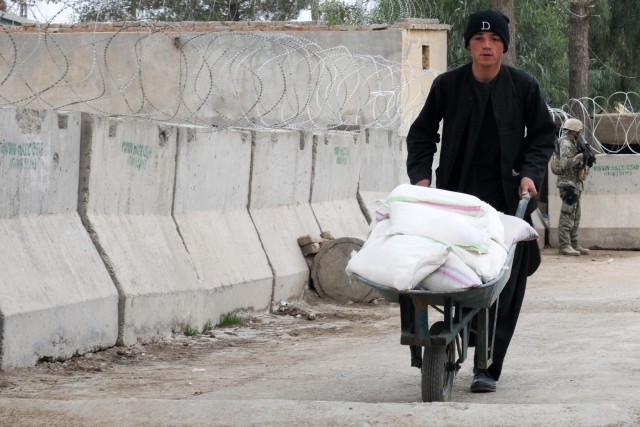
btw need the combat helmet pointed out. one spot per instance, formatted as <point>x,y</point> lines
<point>573,124</point>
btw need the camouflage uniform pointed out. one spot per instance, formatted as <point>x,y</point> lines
<point>570,184</point>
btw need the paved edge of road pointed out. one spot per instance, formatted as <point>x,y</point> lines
<point>195,412</point>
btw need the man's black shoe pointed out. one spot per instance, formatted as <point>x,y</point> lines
<point>482,382</point>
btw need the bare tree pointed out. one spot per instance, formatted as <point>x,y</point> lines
<point>507,7</point>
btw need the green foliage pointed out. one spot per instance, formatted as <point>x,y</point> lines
<point>230,319</point>
<point>208,326</point>
<point>190,331</point>
<point>541,46</point>
<point>338,12</point>
<point>614,40</point>
<point>391,11</point>
<point>105,11</point>
<point>188,10</point>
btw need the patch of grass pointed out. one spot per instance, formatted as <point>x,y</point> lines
<point>190,331</point>
<point>230,319</point>
<point>207,327</point>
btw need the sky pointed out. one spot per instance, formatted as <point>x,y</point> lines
<point>56,12</point>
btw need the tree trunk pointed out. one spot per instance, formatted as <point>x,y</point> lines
<point>506,7</point>
<point>133,9</point>
<point>578,32</point>
<point>315,10</point>
<point>23,8</point>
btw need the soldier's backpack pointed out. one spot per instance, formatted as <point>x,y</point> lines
<point>555,163</point>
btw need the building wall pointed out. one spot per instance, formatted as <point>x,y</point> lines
<point>312,77</point>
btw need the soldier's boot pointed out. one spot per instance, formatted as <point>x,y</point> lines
<point>583,251</point>
<point>568,250</point>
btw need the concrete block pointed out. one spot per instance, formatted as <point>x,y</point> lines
<point>614,129</point>
<point>610,204</point>
<point>280,191</point>
<point>56,297</point>
<point>381,167</point>
<point>127,185</point>
<point>335,184</point>
<point>211,211</point>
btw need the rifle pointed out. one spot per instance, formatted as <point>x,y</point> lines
<point>583,147</point>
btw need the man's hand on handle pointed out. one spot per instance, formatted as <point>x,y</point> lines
<point>527,186</point>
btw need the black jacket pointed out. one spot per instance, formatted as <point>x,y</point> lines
<point>525,127</point>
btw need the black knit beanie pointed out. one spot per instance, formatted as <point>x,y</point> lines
<point>488,20</point>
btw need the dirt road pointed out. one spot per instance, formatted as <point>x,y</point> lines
<point>574,361</point>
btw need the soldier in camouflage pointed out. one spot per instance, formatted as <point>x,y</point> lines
<point>570,184</point>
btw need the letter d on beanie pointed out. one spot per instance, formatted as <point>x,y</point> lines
<point>488,20</point>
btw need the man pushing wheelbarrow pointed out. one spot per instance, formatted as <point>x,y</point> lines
<point>497,139</point>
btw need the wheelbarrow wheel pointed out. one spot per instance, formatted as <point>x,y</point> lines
<point>438,372</point>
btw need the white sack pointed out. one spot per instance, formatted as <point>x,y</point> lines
<point>517,230</point>
<point>452,201</point>
<point>487,266</point>
<point>381,212</point>
<point>448,227</point>
<point>453,275</point>
<point>398,261</point>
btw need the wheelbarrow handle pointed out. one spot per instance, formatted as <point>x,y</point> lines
<point>522,205</point>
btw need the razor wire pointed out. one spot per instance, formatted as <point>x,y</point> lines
<point>216,79</point>
<point>613,122</point>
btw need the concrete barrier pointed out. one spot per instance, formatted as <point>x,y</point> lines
<point>382,167</point>
<point>614,130</point>
<point>279,205</point>
<point>127,184</point>
<point>337,160</point>
<point>183,224</point>
<point>56,297</point>
<point>211,211</point>
<point>610,204</point>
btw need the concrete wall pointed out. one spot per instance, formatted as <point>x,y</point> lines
<point>280,207</point>
<point>119,230</point>
<point>337,160</point>
<point>307,79</point>
<point>383,166</point>
<point>56,297</point>
<point>211,196</point>
<point>610,204</point>
<point>424,47</point>
<point>128,186</point>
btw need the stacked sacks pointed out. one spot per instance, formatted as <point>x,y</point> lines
<point>396,260</point>
<point>436,240</point>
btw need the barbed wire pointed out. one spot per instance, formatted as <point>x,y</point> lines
<point>611,124</point>
<point>218,79</point>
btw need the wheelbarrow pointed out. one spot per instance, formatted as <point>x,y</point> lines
<point>444,343</point>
